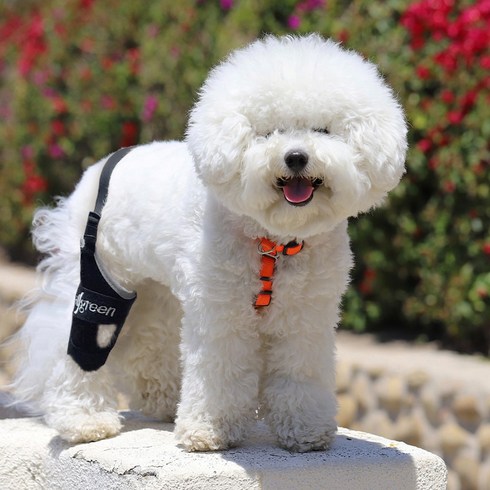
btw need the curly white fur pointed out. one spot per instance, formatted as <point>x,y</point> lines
<point>180,227</point>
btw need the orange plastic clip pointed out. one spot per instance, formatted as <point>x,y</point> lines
<point>269,251</point>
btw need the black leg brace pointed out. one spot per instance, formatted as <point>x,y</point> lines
<point>98,301</point>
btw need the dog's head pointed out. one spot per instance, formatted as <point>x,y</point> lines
<point>298,134</point>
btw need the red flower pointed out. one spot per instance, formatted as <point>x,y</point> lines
<point>133,55</point>
<point>107,63</point>
<point>87,105</point>
<point>417,43</point>
<point>469,100</point>
<point>449,186</point>
<point>86,4</point>
<point>447,60</point>
<point>366,286</point>
<point>479,168</point>
<point>33,184</point>
<point>424,145</point>
<point>455,117</point>
<point>32,45</point>
<point>485,62</point>
<point>370,273</point>
<point>433,163</point>
<point>61,30</point>
<point>129,133</point>
<point>87,45</point>
<point>423,72</point>
<point>486,248</point>
<point>59,105</point>
<point>58,127</point>
<point>447,96</point>
<point>344,36</point>
<point>86,74</point>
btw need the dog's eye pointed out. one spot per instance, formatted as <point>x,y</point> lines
<point>321,130</point>
<point>270,133</point>
<point>265,134</point>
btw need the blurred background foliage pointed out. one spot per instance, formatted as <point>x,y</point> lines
<point>81,78</point>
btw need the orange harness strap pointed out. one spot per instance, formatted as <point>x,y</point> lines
<point>269,251</point>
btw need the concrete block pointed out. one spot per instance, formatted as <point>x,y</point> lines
<point>146,456</point>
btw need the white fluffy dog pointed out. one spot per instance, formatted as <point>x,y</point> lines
<point>288,139</point>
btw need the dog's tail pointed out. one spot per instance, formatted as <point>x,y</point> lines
<point>44,336</point>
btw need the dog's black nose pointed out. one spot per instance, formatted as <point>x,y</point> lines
<point>296,160</point>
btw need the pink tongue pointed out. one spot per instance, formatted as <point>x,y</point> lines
<point>298,190</point>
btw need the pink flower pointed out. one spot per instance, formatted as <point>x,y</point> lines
<point>226,4</point>
<point>153,30</point>
<point>107,102</point>
<point>294,22</point>
<point>309,5</point>
<point>55,151</point>
<point>27,152</point>
<point>175,52</point>
<point>40,78</point>
<point>149,107</point>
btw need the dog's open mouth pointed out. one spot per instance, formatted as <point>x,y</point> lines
<point>298,191</point>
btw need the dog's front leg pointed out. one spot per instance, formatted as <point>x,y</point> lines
<point>220,378</point>
<point>299,386</point>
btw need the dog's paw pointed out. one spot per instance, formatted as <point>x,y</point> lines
<point>300,433</point>
<point>76,427</point>
<point>202,440</point>
<point>303,441</point>
<point>206,437</point>
<point>301,415</point>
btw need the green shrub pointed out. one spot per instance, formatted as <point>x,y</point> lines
<point>82,78</point>
<point>428,253</point>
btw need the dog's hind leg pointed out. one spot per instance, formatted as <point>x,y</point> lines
<point>147,354</point>
<point>80,405</point>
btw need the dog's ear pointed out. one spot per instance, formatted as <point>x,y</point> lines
<point>217,143</point>
<point>379,138</point>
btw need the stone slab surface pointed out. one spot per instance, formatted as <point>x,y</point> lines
<point>146,456</point>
